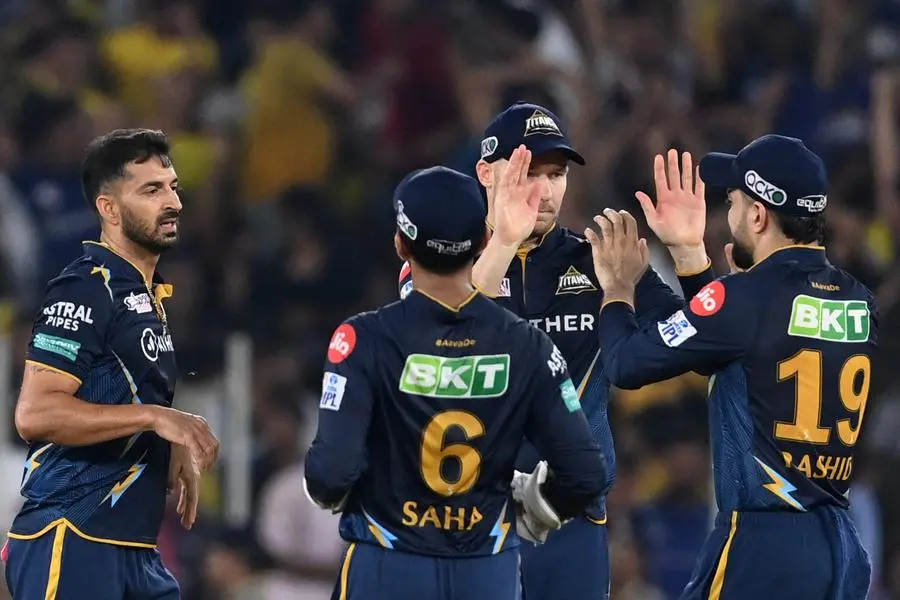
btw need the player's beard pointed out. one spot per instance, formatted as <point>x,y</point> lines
<point>149,235</point>
<point>742,256</point>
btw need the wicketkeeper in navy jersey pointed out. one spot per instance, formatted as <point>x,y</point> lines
<point>543,273</point>
<point>104,443</point>
<point>424,406</point>
<point>787,339</point>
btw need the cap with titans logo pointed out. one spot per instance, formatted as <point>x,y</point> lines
<point>539,129</point>
<point>441,217</point>
<point>781,172</point>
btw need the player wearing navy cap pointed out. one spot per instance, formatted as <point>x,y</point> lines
<point>543,273</point>
<point>424,406</point>
<point>787,339</point>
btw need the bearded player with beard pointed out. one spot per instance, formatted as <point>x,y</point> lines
<point>104,443</point>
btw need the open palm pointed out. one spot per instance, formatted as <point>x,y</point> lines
<point>679,216</point>
<point>517,200</point>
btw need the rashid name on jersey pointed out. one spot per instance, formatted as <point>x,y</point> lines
<point>788,344</point>
<point>102,324</point>
<point>422,414</point>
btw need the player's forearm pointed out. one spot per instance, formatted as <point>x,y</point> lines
<point>63,419</point>
<point>573,491</point>
<point>492,265</point>
<point>689,260</point>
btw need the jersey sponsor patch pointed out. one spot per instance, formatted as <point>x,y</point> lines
<point>709,300</point>
<point>574,281</point>
<point>479,376</point>
<point>333,386</point>
<point>404,272</point>
<point>569,395</point>
<point>139,303</point>
<point>57,345</point>
<point>829,320</point>
<point>406,290</point>
<point>556,363</point>
<point>504,288</point>
<point>68,315</point>
<point>342,343</point>
<point>153,343</point>
<point>676,330</point>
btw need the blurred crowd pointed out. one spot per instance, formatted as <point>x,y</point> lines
<point>291,122</point>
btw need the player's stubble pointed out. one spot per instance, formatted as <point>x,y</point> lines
<point>149,236</point>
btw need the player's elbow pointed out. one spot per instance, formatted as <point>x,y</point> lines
<point>327,480</point>
<point>30,424</point>
<point>625,376</point>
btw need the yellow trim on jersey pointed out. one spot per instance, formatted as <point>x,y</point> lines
<point>694,273</point>
<point>614,301</point>
<point>788,247</point>
<point>715,591</point>
<point>68,525</point>
<point>447,306</point>
<point>597,521</point>
<point>52,368</point>
<point>345,571</point>
<point>55,562</point>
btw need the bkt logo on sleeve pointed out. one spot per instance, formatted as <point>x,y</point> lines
<point>68,316</point>
<point>153,343</point>
<point>484,376</point>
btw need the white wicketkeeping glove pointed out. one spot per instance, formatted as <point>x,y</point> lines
<point>535,518</point>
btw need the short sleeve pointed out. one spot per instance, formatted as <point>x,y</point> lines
<point>69,330</point>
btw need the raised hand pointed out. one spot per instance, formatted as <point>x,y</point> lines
<point>517,200</point>
<point>620,257</point>
<point>679,216</point>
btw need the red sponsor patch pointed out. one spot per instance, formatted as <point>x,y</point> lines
<point>404,272</point>
<point>4,553</point>
<point>709,300</point>
<point>342,343</point>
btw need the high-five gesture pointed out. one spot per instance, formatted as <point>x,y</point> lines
<point>620,255</point>
<point>517,200</point>
<point>679,217</point>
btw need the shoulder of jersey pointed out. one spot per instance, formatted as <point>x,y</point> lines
<point>80,269</point>
<point>346,337</point>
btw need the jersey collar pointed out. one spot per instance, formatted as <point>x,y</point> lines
<point>803,254</point>
<point>117,263</point>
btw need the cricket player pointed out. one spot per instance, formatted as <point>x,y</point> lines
<point>424,406</point>
<point>544,273</point>
<point>104,444</point>
<point>788,342</point>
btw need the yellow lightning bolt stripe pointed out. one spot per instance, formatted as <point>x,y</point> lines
<point>780,486</point>
<point>117,490</point>
<point>104,273</point>
<point>33,463</point>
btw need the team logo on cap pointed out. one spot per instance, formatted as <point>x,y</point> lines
<point>408,228</point>
<point>765,190</point>
<point>814,203</point>
<point>449,248</point>
<point>489,146</point>
<point>541,124</point>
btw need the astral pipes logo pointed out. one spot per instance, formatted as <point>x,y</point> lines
<point>764,189</point>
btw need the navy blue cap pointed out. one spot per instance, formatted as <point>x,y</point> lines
<point>779,171</point>
<point>539,129</point>
<point>441,214</point>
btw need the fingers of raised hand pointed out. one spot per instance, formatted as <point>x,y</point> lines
<point>659,175</point>
<point>687,172</point>
<point>606,228</point>
<point>674,171</point>
<point>525,166</point>
<point>699,186</point>
<point>629,224</point>
<point>511,177</point>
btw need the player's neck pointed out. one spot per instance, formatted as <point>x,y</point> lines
<point>771,244</point>
<point>143,260</point>
<point>452,290</point>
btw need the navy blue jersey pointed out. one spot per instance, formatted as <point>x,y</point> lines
<point>554,288</point>
<point>789,346</point>
<point>103,325</point>
<point>423,411</point>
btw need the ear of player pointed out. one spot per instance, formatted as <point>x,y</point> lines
<point>535,517</point>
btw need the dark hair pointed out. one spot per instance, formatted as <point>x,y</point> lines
<point>108,155</point>
<point>802,230</point>
<point>441,265</point>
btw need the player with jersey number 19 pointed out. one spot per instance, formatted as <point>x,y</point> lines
<point>788,340</point>
<point>425,403</point>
